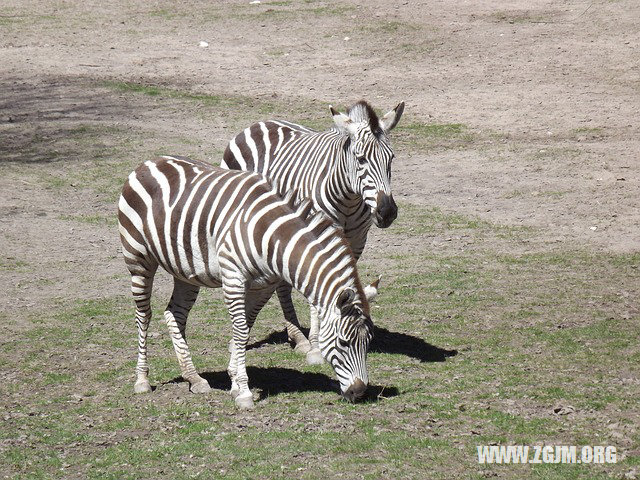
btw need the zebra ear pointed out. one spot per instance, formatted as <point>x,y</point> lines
<point>371,290</point>
<point>343,122</point>
<point>346,298</point>
<point>391,119</point>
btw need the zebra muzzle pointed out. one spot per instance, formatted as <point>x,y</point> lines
<point>355,391</point>
<point>386,210</point>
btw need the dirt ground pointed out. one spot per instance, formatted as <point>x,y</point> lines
<point>545,96</point>
<point>547,77</point>
<point>551,92</point>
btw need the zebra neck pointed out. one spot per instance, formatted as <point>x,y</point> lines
<point>339,189</point>
<point>319,268</point>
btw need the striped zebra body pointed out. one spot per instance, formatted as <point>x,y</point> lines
<point>210,227</point>
<point>345,171</point>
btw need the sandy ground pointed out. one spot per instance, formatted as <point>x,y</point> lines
<point>548,93</point>
<point>556,87</point>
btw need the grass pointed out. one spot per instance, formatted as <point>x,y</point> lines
<point>432,221</point>
<point>109,221</point>
<point>414,135</point>
<point>501,311</point>
<point>217,101</point>
<point>10,264</point>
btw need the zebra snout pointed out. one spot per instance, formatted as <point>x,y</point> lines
<point>355,391</point>
<point>386,210</point>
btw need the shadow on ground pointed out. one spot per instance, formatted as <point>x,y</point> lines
<point>384,341</point>
<point>56,119</point>
<point>272,381</point>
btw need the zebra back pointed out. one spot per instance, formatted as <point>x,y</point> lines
<point>200,223</point>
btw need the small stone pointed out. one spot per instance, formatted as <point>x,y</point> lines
<point>203,44</point>
<point>564,410</point>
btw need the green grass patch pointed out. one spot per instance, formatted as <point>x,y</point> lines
<point>109,221</point>
<point>418,135</point>
<point>12,264</point>
<point>417,220</point>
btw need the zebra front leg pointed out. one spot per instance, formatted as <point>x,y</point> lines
<point>314,357</point>
<point>141,286</point>
<point>237,363</point>
<point>183,297</point>
<point>294,334</point>
<point>244,304</point>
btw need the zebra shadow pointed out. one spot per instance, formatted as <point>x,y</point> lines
<point>272,381</point>
<point>384,341</point>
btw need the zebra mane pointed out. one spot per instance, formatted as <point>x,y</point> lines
<point>319,222</point>
<point>362,112</point>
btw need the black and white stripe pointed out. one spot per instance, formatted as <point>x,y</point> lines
<point>210,227</point>
<point>345,171</point>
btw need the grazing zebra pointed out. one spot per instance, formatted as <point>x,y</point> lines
<point>210,227</point>
<point>345,171</point>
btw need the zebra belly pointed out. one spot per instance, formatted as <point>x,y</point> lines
<point>196,272</point>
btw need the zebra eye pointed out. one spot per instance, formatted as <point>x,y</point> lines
<point>362,160</point>
<point>343,343</point>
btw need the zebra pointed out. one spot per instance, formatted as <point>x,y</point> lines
<point>345,171</point>
<point>210,227</point>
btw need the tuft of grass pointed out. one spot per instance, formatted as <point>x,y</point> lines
<point>217,101</point>
<point>11,264</point>
<point>416,220</point>
<point>435,130</point>
<point>105,220</point>
<point>434,135</point>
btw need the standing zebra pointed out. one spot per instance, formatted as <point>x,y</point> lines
<point>345,171</point>
<point>210,227</point>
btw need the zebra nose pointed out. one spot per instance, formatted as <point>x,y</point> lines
<point>386,210</point>
<point>355,391</point>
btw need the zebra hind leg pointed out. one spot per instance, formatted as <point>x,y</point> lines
<point>141,286</point>
<point>294,334</point>
<point>183,297</point>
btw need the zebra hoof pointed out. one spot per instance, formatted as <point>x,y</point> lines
<point>302,348</point>
<point>245,402</point>
<point>200,387</point>
<point>234,392</point>
<point>314,357</point>
<point>142,386</point>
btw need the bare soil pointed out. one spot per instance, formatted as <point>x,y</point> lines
<point>550,91</point>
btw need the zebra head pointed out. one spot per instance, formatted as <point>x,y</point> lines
<point>344,341</point>
<point>369,156</point>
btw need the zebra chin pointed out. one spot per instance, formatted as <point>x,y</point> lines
<point>355,391</point>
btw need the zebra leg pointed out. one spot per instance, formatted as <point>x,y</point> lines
<point>301,344</point>
<point>183,297</point>
<point>314,357</point>
<point>141,286</point>
<point>234,294</point>
<point>243,307</point>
